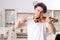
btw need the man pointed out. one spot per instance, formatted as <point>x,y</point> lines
<point>37,31</point>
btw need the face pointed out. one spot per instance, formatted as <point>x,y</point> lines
<point>39,11</point>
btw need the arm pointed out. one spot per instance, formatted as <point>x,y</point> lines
<point>51,26</point>
<point>20,22</point>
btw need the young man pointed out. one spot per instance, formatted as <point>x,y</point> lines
<point>37,31</point>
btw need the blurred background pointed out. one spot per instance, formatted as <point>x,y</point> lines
<point>11,10</point>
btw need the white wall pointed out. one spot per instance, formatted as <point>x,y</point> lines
<point>2,17</point>
<point>51,4</point>
<point>26,5</point>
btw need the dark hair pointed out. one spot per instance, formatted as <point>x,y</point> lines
<point>41,5</point>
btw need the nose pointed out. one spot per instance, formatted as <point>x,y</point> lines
<point>39,13</point>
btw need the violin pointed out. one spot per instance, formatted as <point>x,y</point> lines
<point>43,19</point>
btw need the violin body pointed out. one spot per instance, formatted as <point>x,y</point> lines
<point>43,19</point>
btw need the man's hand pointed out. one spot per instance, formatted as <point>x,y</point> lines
<point>20,22</point>
<point>48,19</point>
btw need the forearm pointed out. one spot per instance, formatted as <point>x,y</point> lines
<point>17,24</point>
<point>51,26</point>
<point>20,22</point>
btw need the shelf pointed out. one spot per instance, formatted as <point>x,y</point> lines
<point>25,13</point>
<point>21,35</point>
<point>10,23</point>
